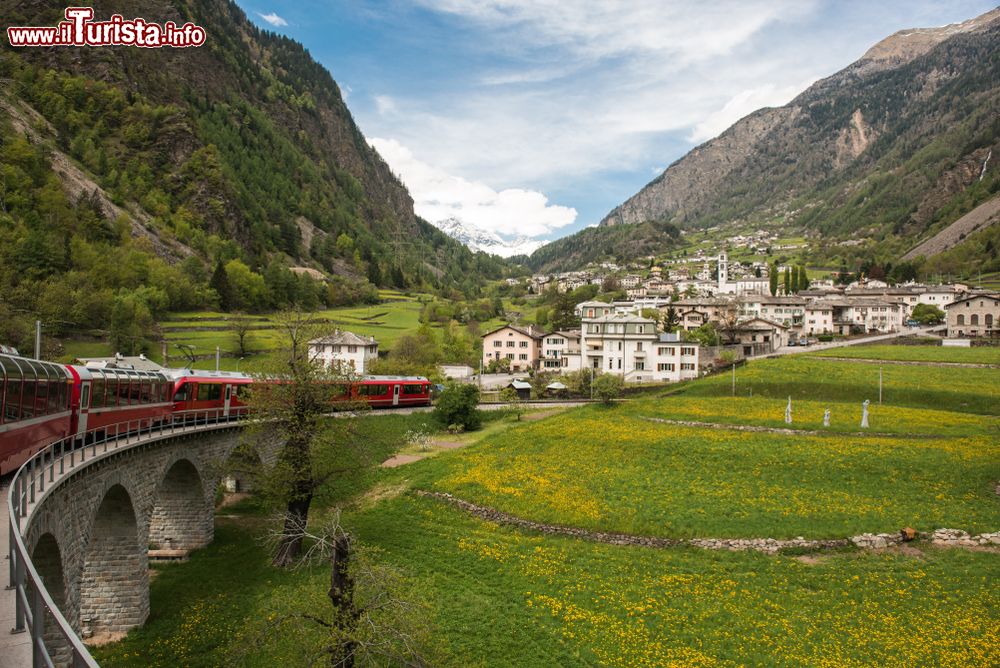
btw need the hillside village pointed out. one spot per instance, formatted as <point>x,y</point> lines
<point>676,326</point>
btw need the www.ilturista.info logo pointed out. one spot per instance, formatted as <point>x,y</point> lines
<point>79,30</point>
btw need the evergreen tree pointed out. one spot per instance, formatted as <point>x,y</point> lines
<point>772,277</point>
<point>803,278</point>
<point>795,279</point>
<point>788,281</point>
<point>220,283</point>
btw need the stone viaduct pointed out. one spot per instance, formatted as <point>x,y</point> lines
<point>90,533</point>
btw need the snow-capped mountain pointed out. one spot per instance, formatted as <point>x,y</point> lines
<point>489,242</point>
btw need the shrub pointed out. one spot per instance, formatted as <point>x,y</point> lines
<point>457,405</point>
<point>608,387</point>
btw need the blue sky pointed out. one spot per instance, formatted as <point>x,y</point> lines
<point>537,117</point>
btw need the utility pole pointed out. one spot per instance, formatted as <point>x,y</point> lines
<point>734,378</point>
<point>38,339</point>
<point>880,386</point>
<point>217,356</point>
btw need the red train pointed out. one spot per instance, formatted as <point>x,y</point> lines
<point>41,402</point>
<point>206,390</point>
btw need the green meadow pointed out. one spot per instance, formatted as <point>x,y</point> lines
<point>493,595</point>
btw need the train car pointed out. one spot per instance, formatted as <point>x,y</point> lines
<point>35,408</point>
<point>389,391</point>
<point>195,390</point>
<point>111,400</point>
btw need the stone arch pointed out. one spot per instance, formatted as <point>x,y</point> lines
<point>241,470</point>
<point>47,558</point>
<point>114,586</point>
<point>182,517</point>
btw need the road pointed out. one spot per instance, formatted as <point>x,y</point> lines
<point>790,350</point>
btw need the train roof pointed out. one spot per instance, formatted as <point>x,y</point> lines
<point>388,378</point>
<point>30,368</point>
<point>176,374</point>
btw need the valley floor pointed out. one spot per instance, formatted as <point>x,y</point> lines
<point>693,462</point>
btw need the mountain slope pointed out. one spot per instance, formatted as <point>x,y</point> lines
<point>240,152</point>
<point>888,149</point>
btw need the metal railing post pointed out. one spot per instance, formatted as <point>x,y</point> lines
<point>37,626</point>
<point>18,588</point>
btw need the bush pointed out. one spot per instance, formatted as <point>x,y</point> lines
<point>458,405</point>
<point>608,387</point>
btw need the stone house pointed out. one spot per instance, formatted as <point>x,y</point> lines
<point>345,352</point>
<point>974,316</point>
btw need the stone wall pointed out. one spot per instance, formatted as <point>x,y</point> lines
<point>98,525</point>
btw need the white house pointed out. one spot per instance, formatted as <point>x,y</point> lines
<point>345,351</point>
<point>560,351</point>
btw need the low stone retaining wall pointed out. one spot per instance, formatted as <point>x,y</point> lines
<point>959,538</point>
<point>865,541</point>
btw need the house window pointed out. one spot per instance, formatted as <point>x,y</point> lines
<point>665,367</point>
<point>510,356</point>
<point>640,366</point>
<point>352,349</point>
<point>638,346</point>
<point>510,344</point>
<point>522,356</point>
<point>687,351</point>
<point>687,367</point>
<point>524,344</point>
<point>961,319</point>
<point>667,351</point>
<point>974,320</point>
<point>498,344</point>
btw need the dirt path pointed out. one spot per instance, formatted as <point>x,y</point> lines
<point>866,360</point>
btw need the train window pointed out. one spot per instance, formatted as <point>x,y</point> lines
<point>111,396</point>
<point>183,392</point>
<point>97,392</point>
<point>42,396</point>
<point>373,390</point>
<point>413,389</point>
<point>209,392</point>
<point>135,389</point>
<point>12,398</point>
<point>28,396</point>
<point>144,393</point>
<point>165,390</point>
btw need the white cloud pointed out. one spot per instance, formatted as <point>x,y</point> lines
<point>743,103</point>
<point>273,19</point>
<point>576,90</point>
<point>385,105</point>
<point>512,212</point>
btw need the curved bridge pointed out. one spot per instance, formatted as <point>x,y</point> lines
<point>82,521</point>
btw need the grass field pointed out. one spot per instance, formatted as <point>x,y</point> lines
<point>967,390</point>
<point>977,355</point>
<point>496,596</point>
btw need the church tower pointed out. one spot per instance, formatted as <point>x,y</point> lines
<point>723,271</point>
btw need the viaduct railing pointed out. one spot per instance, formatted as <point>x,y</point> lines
<point>41,474</point>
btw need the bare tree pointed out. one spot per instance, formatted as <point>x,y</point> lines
<point>370,622</point>
<point>729,319</point>
<point>240,325</point>
<point>293,399</point>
